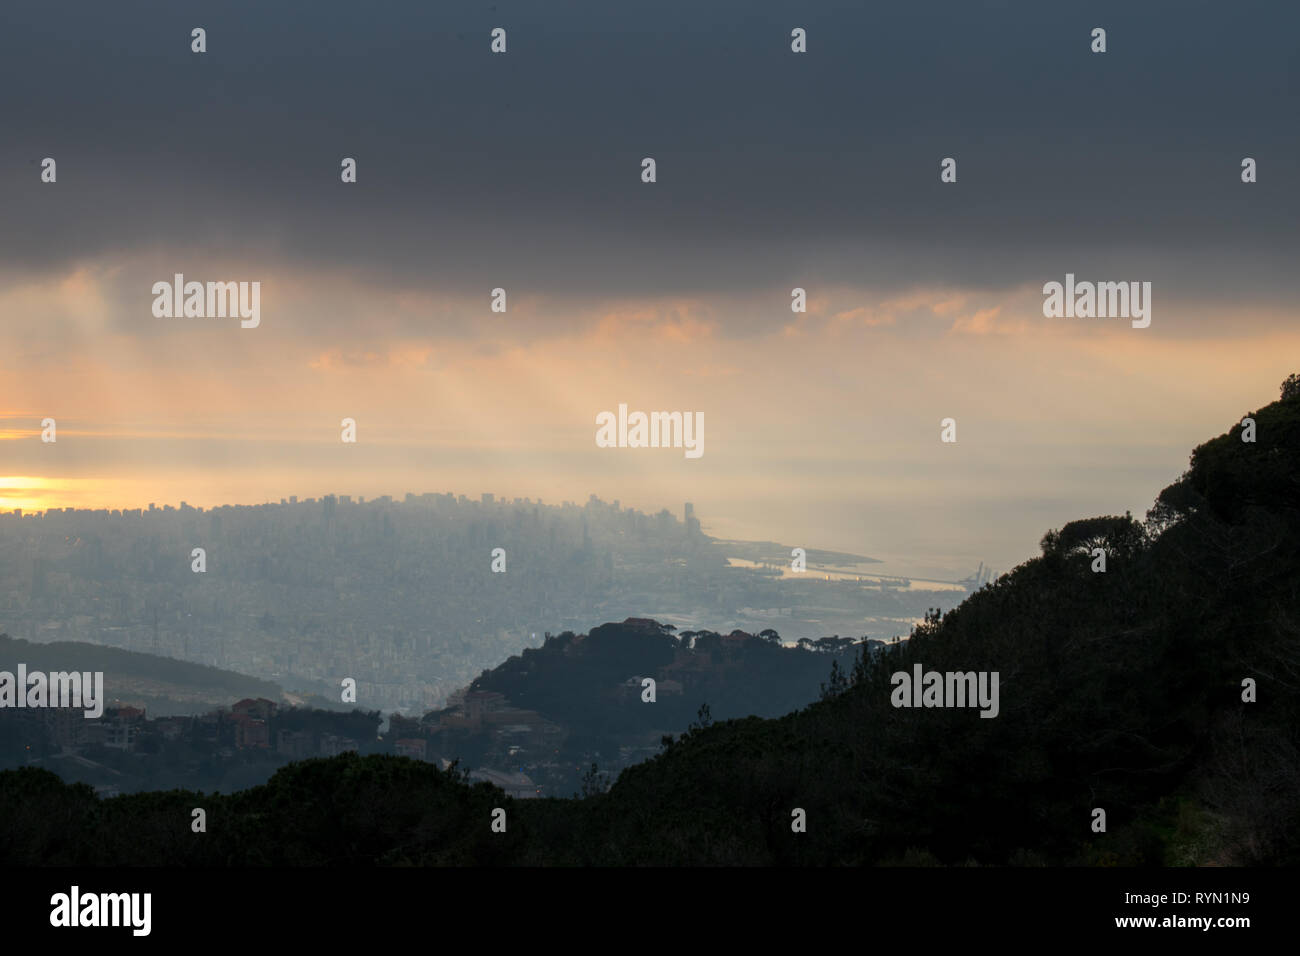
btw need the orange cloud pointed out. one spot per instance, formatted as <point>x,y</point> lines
<point>681,322</point>
<point>981,323</point>
<point>401,356</point>
<point>867,316</point>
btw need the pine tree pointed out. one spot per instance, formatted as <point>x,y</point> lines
<point>838,682</point>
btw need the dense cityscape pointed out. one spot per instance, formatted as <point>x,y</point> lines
<point>410,598</point>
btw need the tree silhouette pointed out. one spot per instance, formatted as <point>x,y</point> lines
<point>838,684</point>
<point>1291,387</point>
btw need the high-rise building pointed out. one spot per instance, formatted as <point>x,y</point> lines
<point>689,519</point>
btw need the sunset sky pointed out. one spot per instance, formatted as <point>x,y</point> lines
<point>522,171</point>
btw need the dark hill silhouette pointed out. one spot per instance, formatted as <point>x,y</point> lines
<point>1120,690</point>
<point>586,681</point>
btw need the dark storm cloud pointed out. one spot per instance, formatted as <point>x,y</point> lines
<point>523,169</point>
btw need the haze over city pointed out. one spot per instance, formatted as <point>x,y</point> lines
<point>924,298</point>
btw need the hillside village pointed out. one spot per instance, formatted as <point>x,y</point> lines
<point>528,751</point>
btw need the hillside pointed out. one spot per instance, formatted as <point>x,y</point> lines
<point>1120,691</point>
<point>162,684</point>
<point>579,699</point>
<point>586,680</point>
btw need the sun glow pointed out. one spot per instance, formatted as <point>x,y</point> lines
<point>24,491</point>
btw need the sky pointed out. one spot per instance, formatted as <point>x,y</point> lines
<point>522,171</point>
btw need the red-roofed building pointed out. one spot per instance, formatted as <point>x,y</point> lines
<point>250,732</point>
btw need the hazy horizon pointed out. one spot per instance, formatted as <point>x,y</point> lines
<point>952,541</point>
<point>924,298</point>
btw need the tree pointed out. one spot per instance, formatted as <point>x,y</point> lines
<point>703,719</point>
<point>1120,535</point>
<point>832,645</point>
<point>839,682</point>
<point>594,782</point>
<point>861,672</point>
<point>1173,504</point>
<point>1291,387</point>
